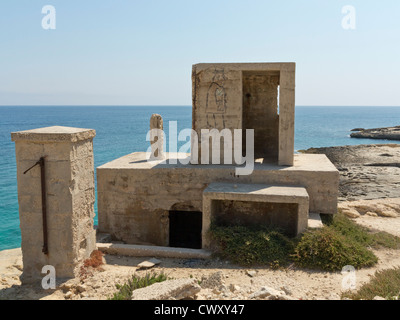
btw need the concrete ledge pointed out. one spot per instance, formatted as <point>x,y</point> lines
<point>314,221</point>
<point>152,251</point>
<point>54,134</point>
<point>256,192</point>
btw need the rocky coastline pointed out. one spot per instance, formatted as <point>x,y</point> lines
<point>389,133</point>
<point>366,171</point>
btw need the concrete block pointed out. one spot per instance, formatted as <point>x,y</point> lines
<point>69,191</point>
<point>242,208</point>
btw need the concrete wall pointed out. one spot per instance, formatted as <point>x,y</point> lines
<point>70,193</point>
<point>260,112</point>
<point>250,213</point>
<point>135,196</point>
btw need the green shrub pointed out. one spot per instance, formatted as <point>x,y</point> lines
<point>248,245</point>
<point>125,290</point>
<point>330,250</point>
<point>385,284</point>
<point>339,243</point>
<point>362,235</point>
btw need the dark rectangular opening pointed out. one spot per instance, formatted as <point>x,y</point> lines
<point>283,216</point>
<point>185,229</point>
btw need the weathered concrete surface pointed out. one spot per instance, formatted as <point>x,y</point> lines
<point>135,209</point>
<point>244,96</point>
<point>389,133</point>
<point>156,137</point>
<point>178,289</point>
<point>54,134</point>
<point>152,251</point>
<point>314,221</point>
<point>70,197</point>
<point>237,204</point>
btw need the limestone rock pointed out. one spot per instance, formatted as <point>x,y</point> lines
<point>286,290</point>
<point>168,290</point>
<point>234,288</point>
<point>149,263</point>
<point>68,295</point>
<point>251,273</point>
<point>270,294</point>
<point>390,133</point>
<point>216,280</point>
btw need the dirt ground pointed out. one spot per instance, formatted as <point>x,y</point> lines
<point>237,283</point>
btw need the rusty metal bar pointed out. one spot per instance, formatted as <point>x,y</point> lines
<point>41,163</point>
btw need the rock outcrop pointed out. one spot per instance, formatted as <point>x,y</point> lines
<point>178,289</point>
<point>366,171</point>
<point>390,133</point>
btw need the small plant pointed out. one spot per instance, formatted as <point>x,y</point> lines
<point>339,243</point>
<point>330,250</point>
<point>384,284</point>
<point>250,245</point>
<point>125,290</point>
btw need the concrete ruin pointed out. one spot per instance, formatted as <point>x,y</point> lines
<point>172,203</point>
<point>56,204</point>
<point>163,203</point>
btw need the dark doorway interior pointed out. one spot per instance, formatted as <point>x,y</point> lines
<point>185,229</point>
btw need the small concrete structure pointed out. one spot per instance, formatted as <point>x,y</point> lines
<point>69,192</point>
<point>255,204</point>
<point>156,137</point>
<point>258,96</point>
<point>136,197</point>
<point>168,202</point>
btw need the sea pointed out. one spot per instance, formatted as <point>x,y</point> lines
<point>121,130</point>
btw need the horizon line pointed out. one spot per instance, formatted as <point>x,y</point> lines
<point>179,105</point>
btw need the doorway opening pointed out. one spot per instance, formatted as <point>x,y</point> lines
<point>185,229</point>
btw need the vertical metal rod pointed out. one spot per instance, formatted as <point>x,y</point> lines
<point>44,206</point>
<point>41,163</point>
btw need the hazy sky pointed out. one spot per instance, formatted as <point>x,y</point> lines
<point>133,52</point>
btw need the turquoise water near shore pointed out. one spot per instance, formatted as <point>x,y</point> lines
<point>122,130</point>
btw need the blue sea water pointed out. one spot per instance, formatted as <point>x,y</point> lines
<point>122,130</point>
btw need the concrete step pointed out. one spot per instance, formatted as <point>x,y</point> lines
<point>152,251</point>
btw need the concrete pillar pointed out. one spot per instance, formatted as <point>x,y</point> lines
<point>70,196</point>
<point>156,137</point>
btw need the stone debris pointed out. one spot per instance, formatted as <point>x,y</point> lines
<point>148,264</point>
<point>251,273</point>
<point>234,288</point>
<point>389,208</point>
<point>215,280</point>
<point>178,289</point>
<point>270,294</point>
<point>68,295</point>
<point>287,290</point>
